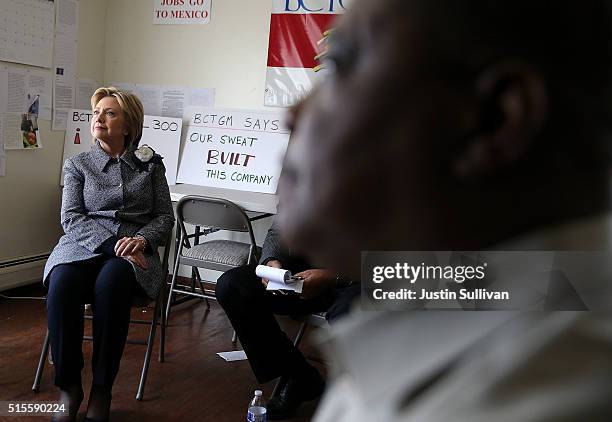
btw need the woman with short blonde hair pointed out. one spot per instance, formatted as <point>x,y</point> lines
<point>132,108</point>
<point>116,210</point>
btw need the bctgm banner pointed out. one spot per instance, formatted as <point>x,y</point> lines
<point>234,149</point>
<point>163,134</point>
<point>296,29</point>
<point>181,11</point>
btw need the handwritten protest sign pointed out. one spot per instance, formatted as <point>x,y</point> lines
<point>235,149</point>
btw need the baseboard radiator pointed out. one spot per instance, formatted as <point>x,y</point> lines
<point>22,271</point>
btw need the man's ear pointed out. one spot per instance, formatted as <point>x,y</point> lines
<point>513,108</point>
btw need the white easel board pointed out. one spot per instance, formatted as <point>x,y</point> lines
<point>233,149</point>
<point>163,134</point>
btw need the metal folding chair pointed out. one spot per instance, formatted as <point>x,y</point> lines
<point>209,215</point>
<point>157,314</point>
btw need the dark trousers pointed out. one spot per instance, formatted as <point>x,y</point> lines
<point>251,308</point>
<point>109,285</point>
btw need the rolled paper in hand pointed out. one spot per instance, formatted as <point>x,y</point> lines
<point>274,274</point>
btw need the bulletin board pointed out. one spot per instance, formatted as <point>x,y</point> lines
<point>26,31</point>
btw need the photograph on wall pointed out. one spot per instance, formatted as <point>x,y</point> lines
<point>29,131</point>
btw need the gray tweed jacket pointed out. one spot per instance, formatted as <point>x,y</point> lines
<point>105,197</point>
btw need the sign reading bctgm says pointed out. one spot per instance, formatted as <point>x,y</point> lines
<point>234,149</point>
<point>163,134</point>
<point>181,11</point>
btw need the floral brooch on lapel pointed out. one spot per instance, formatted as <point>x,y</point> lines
<point>145,154</point>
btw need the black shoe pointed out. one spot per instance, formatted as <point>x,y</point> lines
<point>74,403</point>
<point>293,392</point>
<point>98,408</point>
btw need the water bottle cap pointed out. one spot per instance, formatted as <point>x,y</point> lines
<point>258,393</point>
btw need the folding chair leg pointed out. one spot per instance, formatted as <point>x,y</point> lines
<point>276,387</point>
<point>162,335</point>
<point>147,359</point>
<point>172,286</point>
<point>41,363</point>
<point>195,276</point>
<point>196,271</point>
<point>300,334</point>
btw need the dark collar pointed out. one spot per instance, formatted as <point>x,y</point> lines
<point>101,158</point>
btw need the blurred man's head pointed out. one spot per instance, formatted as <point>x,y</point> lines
<point>450,125</point>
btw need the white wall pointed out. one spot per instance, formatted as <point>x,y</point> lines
<point>119,43</point>
<point>228,54</point>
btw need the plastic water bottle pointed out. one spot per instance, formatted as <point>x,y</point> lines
<point>257,408</point>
